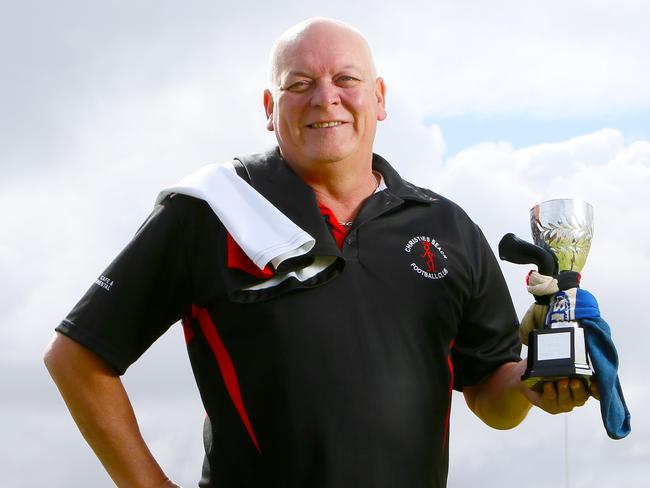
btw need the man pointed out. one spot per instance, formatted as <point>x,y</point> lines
<point>339,379</point>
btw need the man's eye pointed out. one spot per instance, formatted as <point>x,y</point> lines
<point>299,86</point>
<point>347,80</point>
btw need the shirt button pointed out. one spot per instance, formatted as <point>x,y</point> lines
<point>349,240</point>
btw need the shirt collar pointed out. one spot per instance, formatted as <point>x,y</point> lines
<point>270,174</point>
<point>398,186</point>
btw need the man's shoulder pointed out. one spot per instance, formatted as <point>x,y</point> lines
<point>187,211</point>
<point>428,194</point>
<point>412,192</point>
<point>259,167</point>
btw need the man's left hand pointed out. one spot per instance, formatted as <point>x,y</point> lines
<point>562,395</point>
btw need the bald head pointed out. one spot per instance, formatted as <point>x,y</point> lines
<point>325,98</point>
<point>317,32</point>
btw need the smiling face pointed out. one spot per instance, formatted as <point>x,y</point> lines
<point>326,99</point>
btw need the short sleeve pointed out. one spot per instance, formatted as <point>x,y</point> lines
<point>138,297</point>
<point>488,333</point>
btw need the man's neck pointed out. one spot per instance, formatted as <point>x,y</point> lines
<point>341,186</point>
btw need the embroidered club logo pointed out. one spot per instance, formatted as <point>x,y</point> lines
<point>427,257</point>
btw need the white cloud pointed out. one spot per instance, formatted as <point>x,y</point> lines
<point>418,149</point>
<point>550,59</point>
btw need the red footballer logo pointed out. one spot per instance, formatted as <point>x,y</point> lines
<point>427,257</point>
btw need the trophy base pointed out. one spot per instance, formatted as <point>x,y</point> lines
<point>555,353</point>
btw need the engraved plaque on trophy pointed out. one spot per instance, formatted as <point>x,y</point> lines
<point>562,232</point>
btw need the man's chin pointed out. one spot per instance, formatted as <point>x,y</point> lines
<point>327,158</point>
<point>329,154</point>
<point>319,157</point>
<point>312,156</point>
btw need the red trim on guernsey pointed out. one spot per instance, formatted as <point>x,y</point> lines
<point>187,329</point>
<point>451,390</point>
<point>338,231</point>
<point>238,259</point>
<point>225,365</point>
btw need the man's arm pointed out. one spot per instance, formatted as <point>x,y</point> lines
<point>101,408</point>
<point>502,401</point>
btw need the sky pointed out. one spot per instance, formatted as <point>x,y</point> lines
<point>497,105</point>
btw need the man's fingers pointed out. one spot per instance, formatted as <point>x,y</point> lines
<point>549,394</point>
<point>595,391</point>
<point>564,397</point>
<point>551,398</point>
<point>579,392</point>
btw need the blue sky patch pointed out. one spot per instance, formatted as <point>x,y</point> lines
<point>522,130</point>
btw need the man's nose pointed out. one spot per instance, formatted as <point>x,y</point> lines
<point>325,93</point>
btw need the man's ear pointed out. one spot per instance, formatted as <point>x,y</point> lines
<point>268,108</point>
<point>380,94</point>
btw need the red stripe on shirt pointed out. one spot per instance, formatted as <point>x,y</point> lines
<point>451,390</point>
<point>187,329</point>
<point>238,259</point>
<point>226,366</point>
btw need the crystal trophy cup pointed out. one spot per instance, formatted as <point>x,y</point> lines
<point>562,232</point>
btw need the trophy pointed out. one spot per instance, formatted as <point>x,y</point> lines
<point>562,231</point>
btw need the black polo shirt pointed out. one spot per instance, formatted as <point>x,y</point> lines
<point>341,381</point>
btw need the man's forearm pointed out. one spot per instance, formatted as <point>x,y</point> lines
<point>101,408</point>
<point>502,401</point>
<point>499,400</point>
